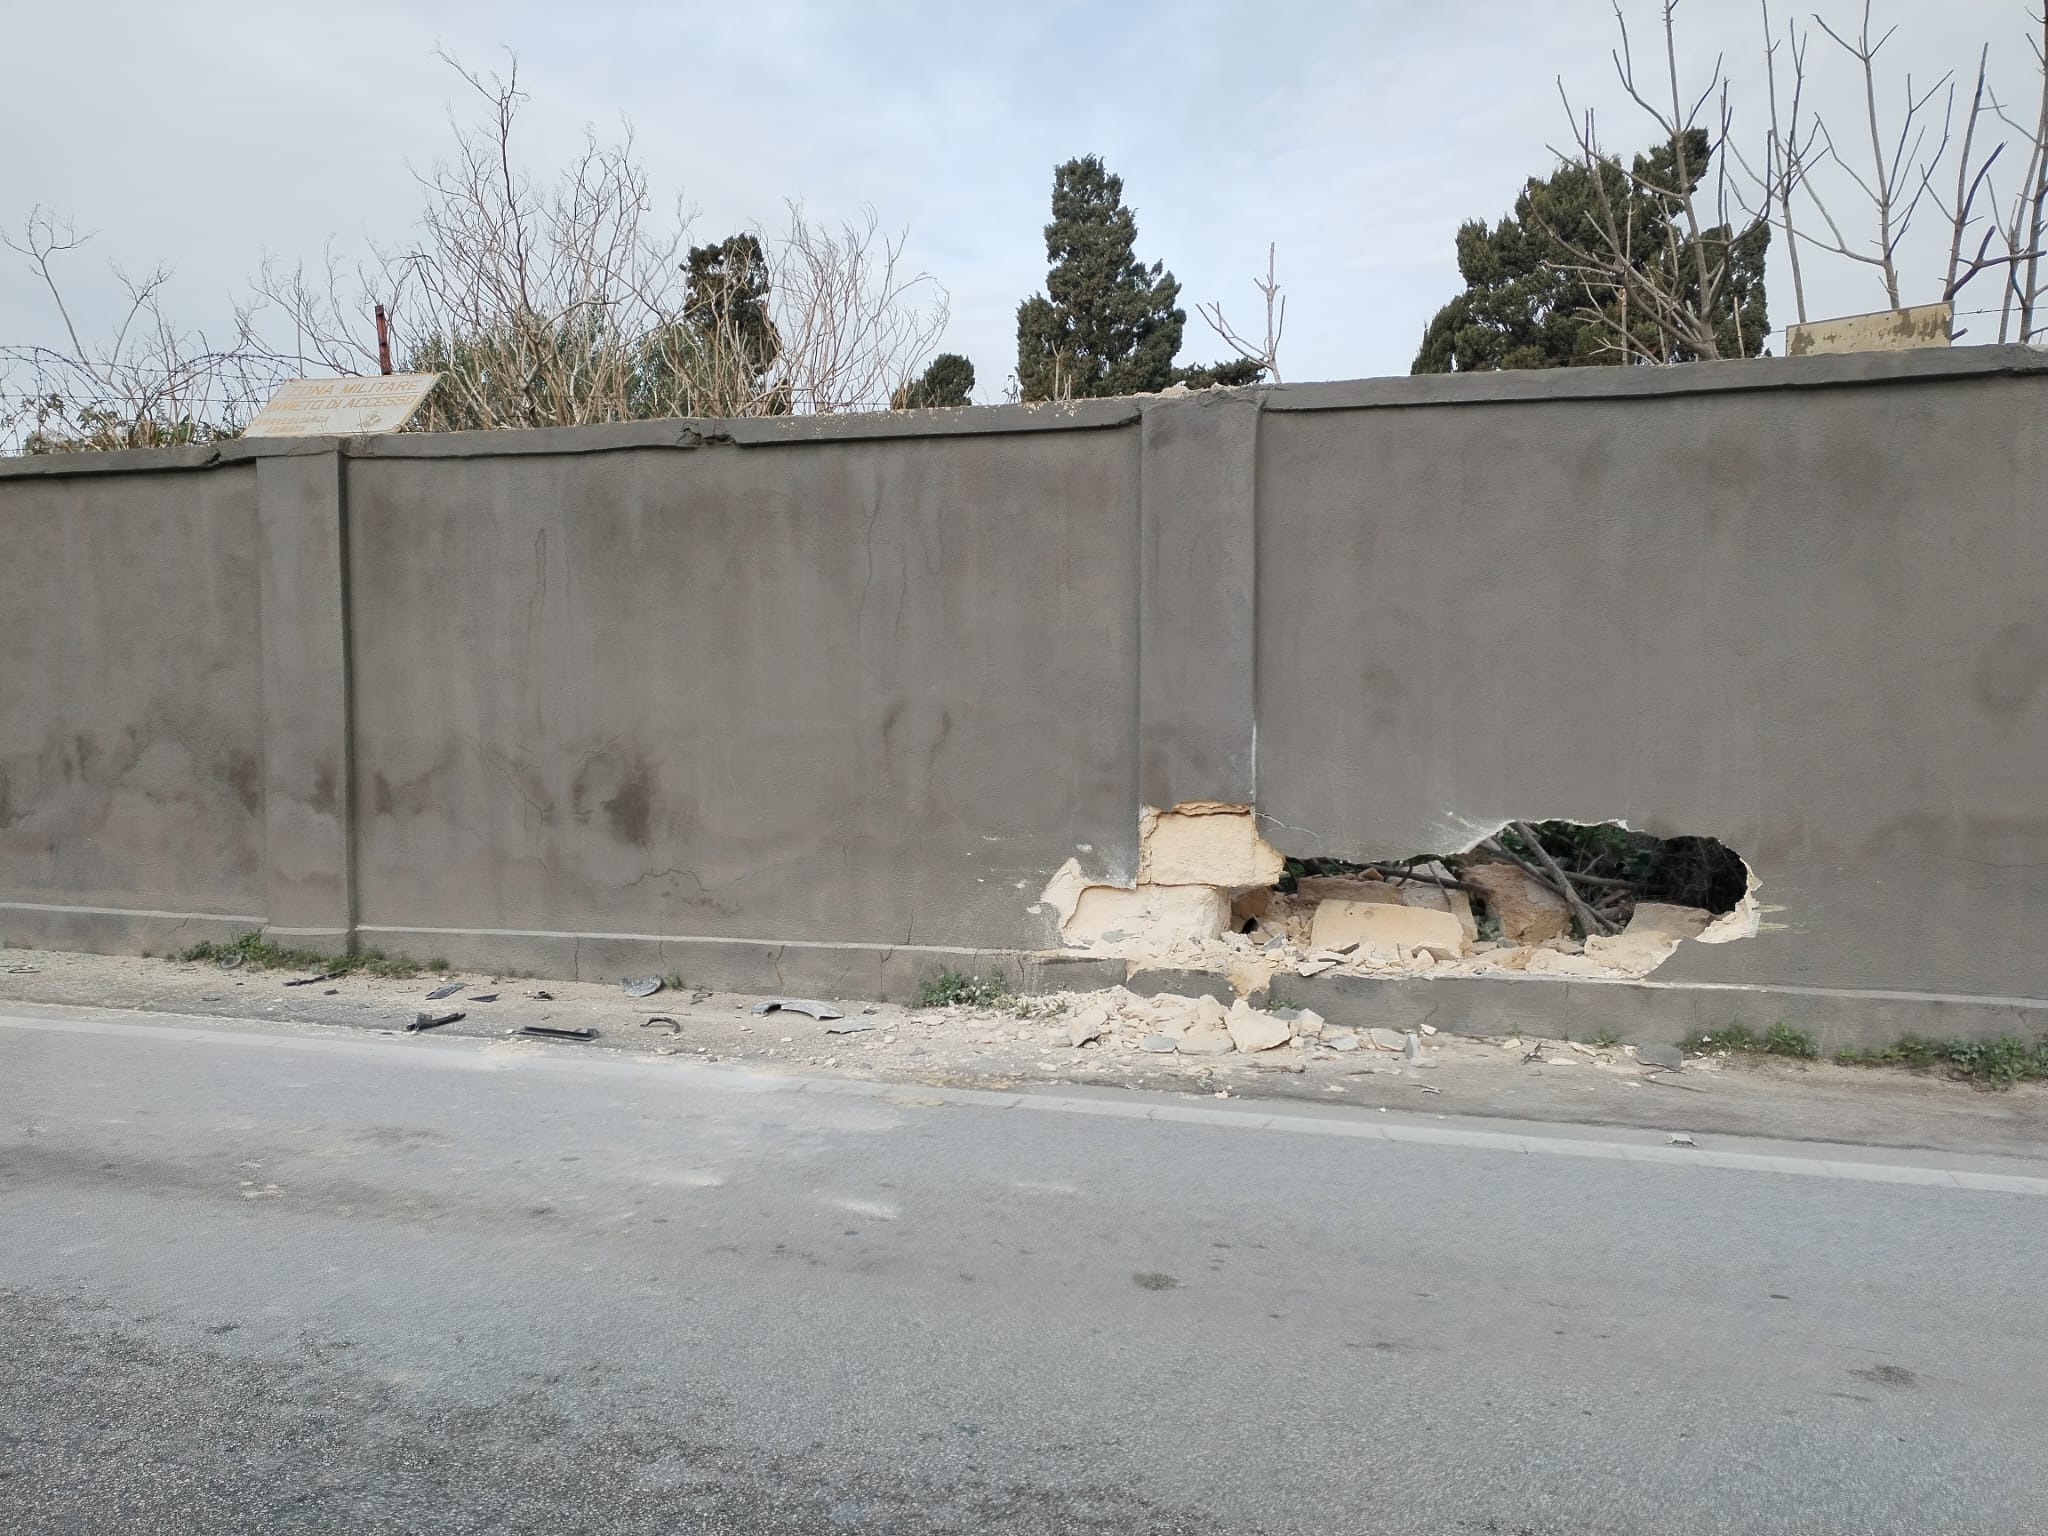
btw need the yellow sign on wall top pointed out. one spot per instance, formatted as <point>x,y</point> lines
<point>342,407</point>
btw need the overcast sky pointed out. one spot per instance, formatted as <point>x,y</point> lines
<point>1356,134</point>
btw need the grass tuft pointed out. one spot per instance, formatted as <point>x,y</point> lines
<point>1781,1039</point>
<point>949,988</point>
<point>258,953</point>
<point>1997,1063</point>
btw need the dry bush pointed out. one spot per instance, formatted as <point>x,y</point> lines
<point>150,385</point>
<point>556,302</point>
<point>573,302</point>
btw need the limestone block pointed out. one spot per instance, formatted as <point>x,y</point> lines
<point>1529,913</point>
<point>1205,844</point>
<point>1387,928</point>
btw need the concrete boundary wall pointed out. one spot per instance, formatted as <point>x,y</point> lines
<point>820,704</point>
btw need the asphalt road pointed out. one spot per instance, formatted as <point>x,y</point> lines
<point>252,1282</point>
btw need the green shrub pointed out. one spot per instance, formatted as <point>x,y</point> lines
<point>945,988</point>
<point>258,953</point>
<point>1997,1063</point>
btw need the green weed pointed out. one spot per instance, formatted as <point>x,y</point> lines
<point>260,954</point>
<point>945,989</point>
<point>1995,1063</point>
<point>1781,1039</point>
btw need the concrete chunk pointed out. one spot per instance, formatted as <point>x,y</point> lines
<point>1252,1031</point>
<point>1635,953</point>
<point>1384,927</point>
<point>1206,1040</point>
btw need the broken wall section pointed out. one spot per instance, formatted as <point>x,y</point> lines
<point>1212,895</point>
<point>1193,861</point>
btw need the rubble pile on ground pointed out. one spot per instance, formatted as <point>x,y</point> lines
<point>1169,1024</point>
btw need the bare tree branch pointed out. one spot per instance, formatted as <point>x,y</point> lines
<point>1677,289</point>
<point>150,385</point>
<point>1267,355</point>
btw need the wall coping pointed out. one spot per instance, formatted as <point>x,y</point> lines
<point>1860,369</point>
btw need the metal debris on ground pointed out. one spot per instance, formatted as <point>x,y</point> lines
<point>640,986</point>
<point>438,993</point>
<point>24,970</point>
<point>431,1021</point>
<point>541,997</point>
<point>1669,1057</point>
<point>232,961</point>
<point>805,1005</point>
<point>850,1027</point>
<point>1535,1053</point>
<point>701,996</point>
<point>659,1020</point>
<point>1679,1139</point>
<point>307,981</point>
<point>549,1032</point>
<point>484,997</point>
<point>1427,1087</point>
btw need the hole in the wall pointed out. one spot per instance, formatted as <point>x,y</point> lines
<point>1541,898</point>
<point>1549,897</point>
<point>1611,866</point>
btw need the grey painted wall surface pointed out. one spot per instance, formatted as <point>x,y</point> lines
<point>131,731</point>
<point>866,691</point>
<point>825,701</point>
<point>1812,625</point>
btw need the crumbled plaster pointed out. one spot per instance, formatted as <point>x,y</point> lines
<point>1105,914</point>
<point>1741,922</point>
